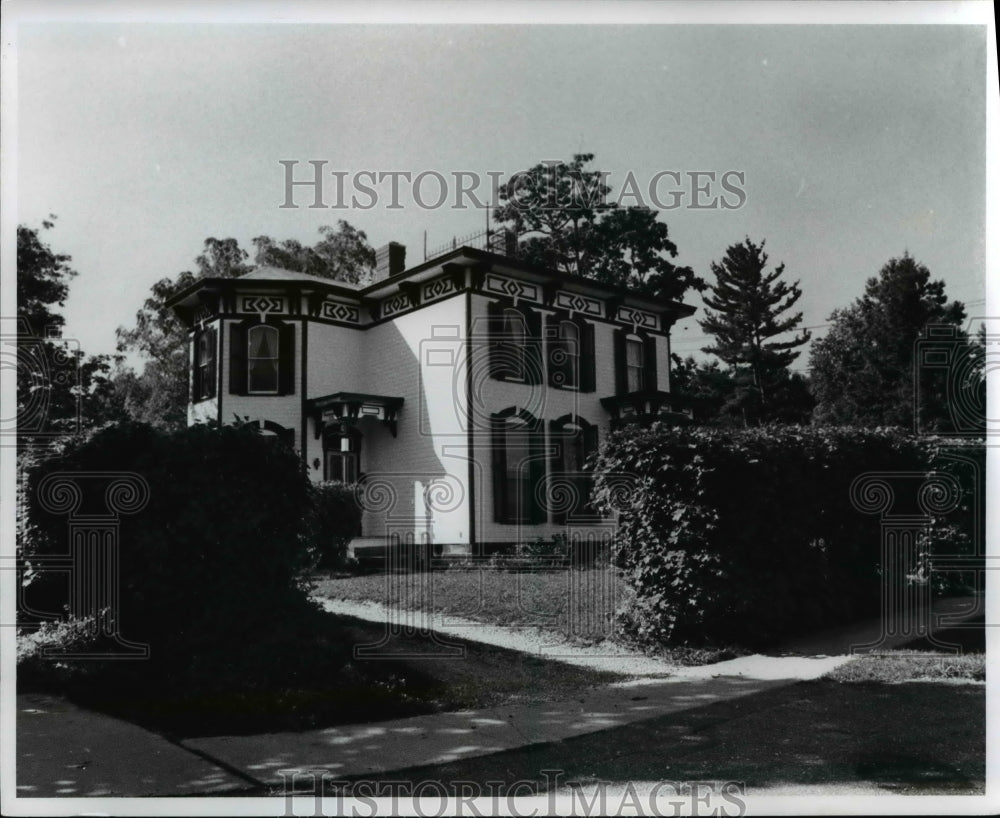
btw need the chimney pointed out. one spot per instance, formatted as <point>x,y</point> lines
<point>390,259</point>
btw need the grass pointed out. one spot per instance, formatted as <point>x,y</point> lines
<point>894,667</point>
<point>578,603</point>
<point>921,660</point>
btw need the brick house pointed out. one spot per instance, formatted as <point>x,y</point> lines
<point>463,395</point>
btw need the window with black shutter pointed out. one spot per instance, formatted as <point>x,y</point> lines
<point>262,358</point>
<point>635,362</point>
<point>515,343</point>
<point>574,440</point>
<point>518,468</point>
<point>570,353</point>
<point>204,372</point>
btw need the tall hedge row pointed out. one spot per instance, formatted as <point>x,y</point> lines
<point>210,566</point>
<point>750,535</point>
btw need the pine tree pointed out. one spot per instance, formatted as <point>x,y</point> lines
<point>750,309</point>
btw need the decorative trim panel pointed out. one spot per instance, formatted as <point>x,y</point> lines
<point>511,287</point>
<point>438,287</point>
<point>394,304</point>
<point>262,304</point>
<point>639,318</point>
<point>339,312</point>
<point>579,303</point>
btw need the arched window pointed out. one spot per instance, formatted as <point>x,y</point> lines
<point>262,360</point>
<point>574,441</point>
<point>515,335</point>
<point>518,467</point>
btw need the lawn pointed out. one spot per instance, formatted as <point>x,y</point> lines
<point>921,660</point>
<point>577,603</point>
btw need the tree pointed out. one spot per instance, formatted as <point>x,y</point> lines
<point>43,278</point>
<point>561,214</point>
<point>342,254</point>
<point>722,397</point>
<point>750,309</point>
<point>159,395</point>
<point>863,369</point>
<point>59,387</point>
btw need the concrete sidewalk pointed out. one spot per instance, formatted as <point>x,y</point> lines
<point>64,750</point>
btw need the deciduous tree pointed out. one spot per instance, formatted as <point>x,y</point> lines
<point>863,371</point>
<point>564,220</point>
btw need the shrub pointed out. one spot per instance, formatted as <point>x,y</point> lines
<point>747,535</point>
<point>212,561</point>
<point>333,521</point>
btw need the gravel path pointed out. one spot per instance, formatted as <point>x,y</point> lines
<point>548,645</point>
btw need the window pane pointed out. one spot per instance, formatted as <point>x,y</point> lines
<point>263,342</point>
<point>633,363</point>
<point>262,362</point>
<point>514,340</point>
<point>263,376</point>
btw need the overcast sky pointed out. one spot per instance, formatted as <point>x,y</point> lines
<point>857,143</point>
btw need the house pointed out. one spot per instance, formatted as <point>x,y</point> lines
<point>463,395</point>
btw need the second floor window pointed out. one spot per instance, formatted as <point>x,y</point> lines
<point>515,336</point>
<point>203,386</point>
<point>633,364</point>
<point>261,357</point>
<point>514,344</point>
<point>262,360</point>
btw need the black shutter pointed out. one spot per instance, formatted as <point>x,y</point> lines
<point>557,443</point>
<point>497,350</point>
<point>238,359</point>
<point>533,344</point>
<point>553,350</point>
<point>588,371</point>
<point>537,507</point>
<point>649,363</point>
<point>286,359</point>
<point>621,375</point>
<point>499,463</point>
<point>591,444</point>
<point>213,359</point>
<point>591,441</point>
<point>193,379</point>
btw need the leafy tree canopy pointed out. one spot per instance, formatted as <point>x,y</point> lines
<point>159,394</point>
<point>863,371</point>
<point>562,216</point>
<point>59,387</point>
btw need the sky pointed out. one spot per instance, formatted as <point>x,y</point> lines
<point>857,143</point>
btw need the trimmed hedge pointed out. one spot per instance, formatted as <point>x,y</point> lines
<point>751,535</point>
<point>334,520</point>
<point>210,569</point>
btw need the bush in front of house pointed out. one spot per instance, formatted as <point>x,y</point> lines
<point>209,568</point>
<point>746,535</point>
<point>333,521</point>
